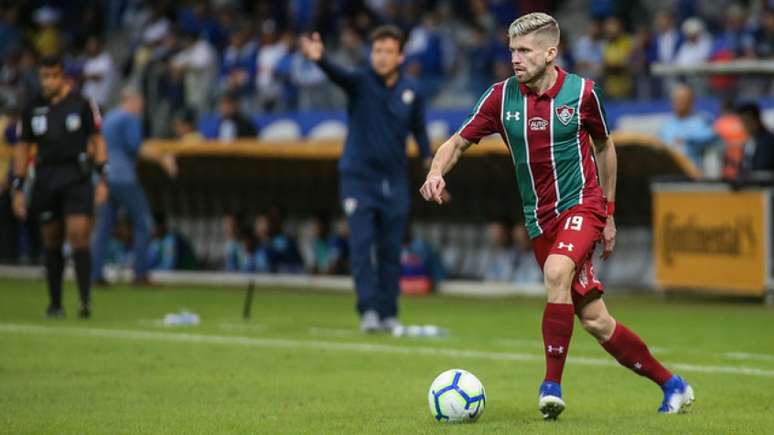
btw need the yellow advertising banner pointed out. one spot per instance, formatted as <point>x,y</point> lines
<point>713,241</point>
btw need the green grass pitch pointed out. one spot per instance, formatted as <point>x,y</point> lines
<point>300,366</point>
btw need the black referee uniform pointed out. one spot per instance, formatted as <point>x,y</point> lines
<point>63,183</point>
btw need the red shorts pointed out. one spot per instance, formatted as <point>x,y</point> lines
<point>574,233</point>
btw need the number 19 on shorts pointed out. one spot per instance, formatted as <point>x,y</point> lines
<point>573,223</point>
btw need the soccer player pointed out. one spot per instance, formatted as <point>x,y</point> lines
<point>65,128</point>
<point>384,106</point>
<point>550,120</point>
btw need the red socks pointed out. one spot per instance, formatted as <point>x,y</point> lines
<point>558,320</point>
<point>629,350</point>
<point>624,345</point>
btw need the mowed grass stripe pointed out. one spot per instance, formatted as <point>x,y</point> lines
<point>281,343</point>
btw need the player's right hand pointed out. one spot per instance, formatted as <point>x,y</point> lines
<point>434,189</point>
<point>19,206</point>
<point>312,46</point>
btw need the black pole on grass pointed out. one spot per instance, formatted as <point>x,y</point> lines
<point>248,300</point>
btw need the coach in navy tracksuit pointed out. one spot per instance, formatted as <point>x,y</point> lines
<point>383,108</point>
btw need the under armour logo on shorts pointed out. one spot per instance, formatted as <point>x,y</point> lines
<point>568,246</point>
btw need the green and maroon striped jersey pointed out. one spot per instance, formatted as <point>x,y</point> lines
<point>549,139</point>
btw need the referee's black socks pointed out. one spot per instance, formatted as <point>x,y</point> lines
<point>54,271</point>
<point>82,260</point>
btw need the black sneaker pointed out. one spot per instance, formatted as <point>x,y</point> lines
<point>53,312</point>
<point>85,311</point>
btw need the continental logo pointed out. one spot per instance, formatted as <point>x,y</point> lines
<point>734,238</point>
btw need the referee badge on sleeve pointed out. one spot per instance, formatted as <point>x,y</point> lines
<point>73,122</point>
<point>39,124</point>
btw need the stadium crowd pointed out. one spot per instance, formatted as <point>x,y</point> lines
<point>185,55</point>
<point>191,58</point>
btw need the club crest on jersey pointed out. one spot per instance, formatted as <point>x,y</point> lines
<point>73,122</point>
<point>537,124</point>
<point>408,96</point>
<point>350,205</point>
<point>565,114</point>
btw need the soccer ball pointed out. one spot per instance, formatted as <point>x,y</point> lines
<point>456,396</point>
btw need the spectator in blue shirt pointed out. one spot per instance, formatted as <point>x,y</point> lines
<point>169,250</point>
<point>11,35</point>
<point>122,129</point>
<point>327,251</point>
<point>276,252</point>
<point>238,64</point>
<point>686,131</point>
<point>421,266</point>
<point>232,124</point>
<point>241,245</point>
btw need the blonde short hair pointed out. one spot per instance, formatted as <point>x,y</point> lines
<point>536,22</point>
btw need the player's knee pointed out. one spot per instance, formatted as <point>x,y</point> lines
<point>555,277</point>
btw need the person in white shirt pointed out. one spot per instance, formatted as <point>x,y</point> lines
<point>274,48</point>
<point>697,46</point>
<point>98,72</point>
<point>197,63</point>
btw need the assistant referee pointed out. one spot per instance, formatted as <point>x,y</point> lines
<point>65,128</point>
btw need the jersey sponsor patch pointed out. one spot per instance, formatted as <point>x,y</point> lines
<point>537,124</point>
<point>73,122</point>
<point>565,114</point>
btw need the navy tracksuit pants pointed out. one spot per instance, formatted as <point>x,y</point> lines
<point>377,212</point>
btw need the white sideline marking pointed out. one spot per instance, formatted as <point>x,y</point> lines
<point>282,343</point>
<point>749,356</point>
<point>231,326</point>
<point>334,332</point>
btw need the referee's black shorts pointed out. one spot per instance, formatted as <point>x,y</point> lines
<point>61,191</point>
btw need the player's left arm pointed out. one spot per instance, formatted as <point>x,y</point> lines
<point>595,122</point>
<point>607,163</point>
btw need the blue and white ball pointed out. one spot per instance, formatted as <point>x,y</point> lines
<point>456,396</point>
